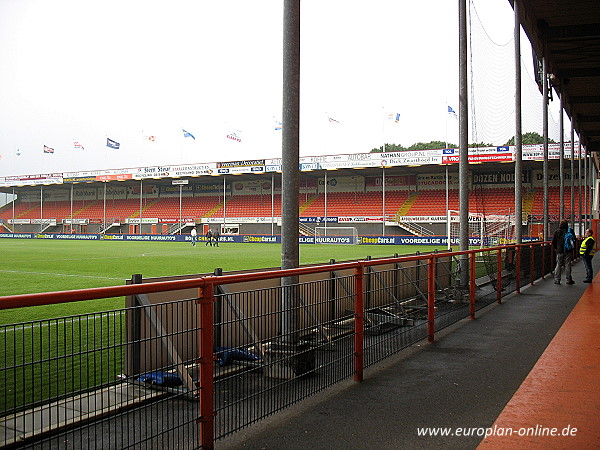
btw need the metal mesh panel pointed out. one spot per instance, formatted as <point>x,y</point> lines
<point>131,377</point>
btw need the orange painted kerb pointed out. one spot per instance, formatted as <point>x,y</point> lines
<point>562,391</point>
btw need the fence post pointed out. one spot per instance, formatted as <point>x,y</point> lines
<point>205,311</point>
<point>218,312</point>
<point>359,322</point>
<point>531,264</point>
<point>499,276</point>
<point>543,261</point>
<point>518,269</point>
<point>472,284</point>
<point>332,292</point>
<point>431,299</point>
<point>367,282</point>
<point>397,276</point>
<point>136,329</point>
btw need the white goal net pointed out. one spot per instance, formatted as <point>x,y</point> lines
<point>336,235</point>
<point>485,230</point>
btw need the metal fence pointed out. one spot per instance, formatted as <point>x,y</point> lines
<point>189,361</point>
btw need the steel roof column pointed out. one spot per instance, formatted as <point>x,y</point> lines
<point>518,132</point>
<point>573,173</point>
<point>585,190</point>
<point>545,132</point>
<point>561,161</point>
<point>579,196</point>
<point>463,125</point>
<point>290,253</point>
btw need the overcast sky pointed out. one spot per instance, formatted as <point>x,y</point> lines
<point>73,70</point>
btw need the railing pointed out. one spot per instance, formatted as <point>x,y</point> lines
<point>189,361</point>
<point>305,229</point>
<point>176,228</point>
<point>415,228</point>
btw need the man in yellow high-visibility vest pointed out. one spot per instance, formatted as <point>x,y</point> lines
<point>587,250</point>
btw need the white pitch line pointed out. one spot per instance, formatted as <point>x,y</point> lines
<point>62,274</point>
<point>68,259</point>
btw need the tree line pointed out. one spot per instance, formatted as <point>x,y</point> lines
<point>527,139</point>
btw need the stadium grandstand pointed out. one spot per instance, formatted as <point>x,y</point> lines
<point>380,194</point>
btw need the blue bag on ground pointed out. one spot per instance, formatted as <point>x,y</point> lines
<point>226,355</point>
<point>161,378</point>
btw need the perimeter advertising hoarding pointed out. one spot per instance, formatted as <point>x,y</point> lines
<point>262,239</point>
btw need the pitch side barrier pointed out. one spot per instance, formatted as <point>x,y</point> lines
<point>261,239</point>
<point>194,358</point>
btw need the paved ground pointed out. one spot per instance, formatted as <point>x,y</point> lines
<point>463,380</point>
<point>546,411</point>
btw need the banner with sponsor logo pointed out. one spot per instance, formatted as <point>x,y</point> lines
<point>173,191</point>
<point>115,192</point>
<point>25,180</point>
<point>437,181</point>
<point>342,184</point>
<point>85,193</point>
<point>496,178</point>
<point>249,187</point>
<point>148,190</point>
<point>247,166</point>
<point>211,188</point>
<point>319,219</point>
<point>346,219</point>
<point>394,181</point>
<point>554,177</point>
<point>479,155</point>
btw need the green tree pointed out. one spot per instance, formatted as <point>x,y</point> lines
<point>480,144</point>
<point>389,148</point>
<point>530,138</point>
<point>433,145</point>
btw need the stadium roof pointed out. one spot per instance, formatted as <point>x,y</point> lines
<point>567,34</point>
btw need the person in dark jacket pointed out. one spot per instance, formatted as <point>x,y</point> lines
<point>587,250</point>
<point>209,236</point>
<point>216,236</point>
<point>562,257</point>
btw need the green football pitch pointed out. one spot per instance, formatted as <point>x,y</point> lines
<point>50,265</point>
<point>44,343</point>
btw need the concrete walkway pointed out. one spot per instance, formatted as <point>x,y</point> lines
<point>464,380</point>
<point>546,411</point>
